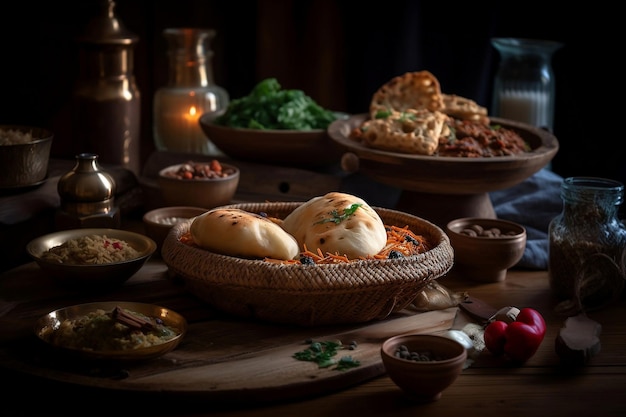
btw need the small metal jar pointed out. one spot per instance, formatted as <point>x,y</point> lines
<point>87,196</point>
<point>587,243</point>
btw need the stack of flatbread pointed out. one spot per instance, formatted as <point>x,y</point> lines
<point>410,114</point>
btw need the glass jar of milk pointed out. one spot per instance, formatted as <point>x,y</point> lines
<point>524,84</point>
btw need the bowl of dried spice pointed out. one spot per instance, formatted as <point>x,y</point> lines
<point>423,365</point>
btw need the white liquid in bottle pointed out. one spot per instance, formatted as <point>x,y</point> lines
<point>530,107</point>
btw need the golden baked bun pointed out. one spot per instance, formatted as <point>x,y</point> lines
<point>337,223</point>
<point>239,233</point>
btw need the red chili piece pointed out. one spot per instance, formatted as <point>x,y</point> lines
<point>518,340</point>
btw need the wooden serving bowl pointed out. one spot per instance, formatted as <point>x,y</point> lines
<point>296,148</point>
<point>442,188</point>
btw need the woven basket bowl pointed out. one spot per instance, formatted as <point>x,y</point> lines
<point>309,295</point>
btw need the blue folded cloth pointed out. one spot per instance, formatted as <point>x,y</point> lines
<point>533,203</point>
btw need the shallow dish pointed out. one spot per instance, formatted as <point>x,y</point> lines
<point>297,148</point>
<point>91,277</point>
<point>308,295</point>
<point>51,323</point>
<point>483,256</point>
<point>198,192</point>
<point>24,164</point>
<point>423,380</point>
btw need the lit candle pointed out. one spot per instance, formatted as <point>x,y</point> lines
<point>176,122</point>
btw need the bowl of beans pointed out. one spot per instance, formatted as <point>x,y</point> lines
<point>484,248</point>
<point>206,184</point>
<point>423,365</point>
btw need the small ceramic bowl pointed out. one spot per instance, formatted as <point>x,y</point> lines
<point>206,193</point>
<point>484,249</point>
<point>423,365</point>
<point>159,222</point>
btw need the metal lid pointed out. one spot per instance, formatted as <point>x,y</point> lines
<point>106,28</point>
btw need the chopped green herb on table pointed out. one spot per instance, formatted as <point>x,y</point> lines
<point>324,354</point>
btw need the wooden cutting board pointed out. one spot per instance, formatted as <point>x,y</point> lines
<point>220,359</point>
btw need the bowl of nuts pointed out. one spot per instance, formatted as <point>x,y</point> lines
<point>423,365</point>
<point>198,184</point>
<point>484,248</point>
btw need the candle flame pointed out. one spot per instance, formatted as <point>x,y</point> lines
<point>192,110</point>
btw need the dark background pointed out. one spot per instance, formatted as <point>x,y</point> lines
<point>339,52</point>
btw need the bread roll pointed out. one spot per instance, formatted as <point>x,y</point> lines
<point>243,234</point>
<point>324,223</point>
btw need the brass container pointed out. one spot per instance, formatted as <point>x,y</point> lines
<point>106,100</point>
<point>87,196</point>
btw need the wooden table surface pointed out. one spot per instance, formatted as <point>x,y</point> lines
<point>490,386</point>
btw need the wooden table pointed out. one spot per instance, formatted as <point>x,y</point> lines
<point>490,386</point>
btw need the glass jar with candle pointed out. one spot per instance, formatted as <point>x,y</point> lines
<point>189,93</point>
<point>587,243</point>
<point>524,86</point>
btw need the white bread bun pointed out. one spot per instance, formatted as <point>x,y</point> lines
<point>332,224</point>
<point>236,232</point>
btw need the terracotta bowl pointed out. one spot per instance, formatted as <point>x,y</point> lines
<point>159,222</point>
<point>423,379</point>
<point>485,256</point>
<point>297,148</point>
<point>204,193</point>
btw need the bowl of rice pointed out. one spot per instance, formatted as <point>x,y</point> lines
<point>24,156</point>
<point>91,259</point>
